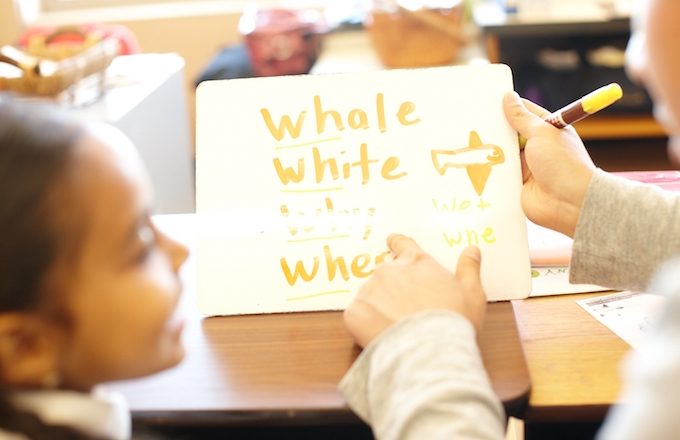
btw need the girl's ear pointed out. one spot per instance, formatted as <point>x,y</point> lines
<point>29,351</point>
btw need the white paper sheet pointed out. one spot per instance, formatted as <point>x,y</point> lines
<point>630,315</point>
<point>554,280</point>
<point>300,179</point>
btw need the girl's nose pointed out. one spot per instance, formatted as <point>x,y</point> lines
<point>177,252</point>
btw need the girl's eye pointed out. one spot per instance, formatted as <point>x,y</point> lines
<point>147,242</point>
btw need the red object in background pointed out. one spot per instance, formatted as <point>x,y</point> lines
<point>75,35</point>
<point>281,42</point>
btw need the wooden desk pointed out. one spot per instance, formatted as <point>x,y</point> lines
<point>283,369</point>
<point>573,360</point>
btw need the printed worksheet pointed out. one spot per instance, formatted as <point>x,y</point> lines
<point>630,315</point>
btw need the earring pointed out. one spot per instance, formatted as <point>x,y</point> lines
<point>51,379</point>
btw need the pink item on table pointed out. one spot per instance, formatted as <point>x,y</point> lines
<point>666,179</point>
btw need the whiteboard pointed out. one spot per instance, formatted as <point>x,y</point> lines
<point>300,179</point>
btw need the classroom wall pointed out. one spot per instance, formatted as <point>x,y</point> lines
<point>9,26</point>
<point>196,39</point>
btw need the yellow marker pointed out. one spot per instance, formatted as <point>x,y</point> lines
<point>593,102</point>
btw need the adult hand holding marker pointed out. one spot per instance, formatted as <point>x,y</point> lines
<point>556,167</point>
<point>590,104</point>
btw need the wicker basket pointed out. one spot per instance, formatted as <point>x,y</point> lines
<point>428,37</point>
<point>50,75</point>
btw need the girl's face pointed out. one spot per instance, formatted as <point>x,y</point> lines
<point>122,297</point>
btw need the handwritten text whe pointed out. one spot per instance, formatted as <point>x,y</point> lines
<point>300,179</point>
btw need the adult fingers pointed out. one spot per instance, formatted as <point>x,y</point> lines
<point>401,245</point>
<point>468,267</point>
<point>526,172</point>
<point>535,108</point>
<point>467,272</point>
<point>520,118</point>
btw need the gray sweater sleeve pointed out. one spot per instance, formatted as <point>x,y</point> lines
<point>423,378</point>
<point>625,231</point>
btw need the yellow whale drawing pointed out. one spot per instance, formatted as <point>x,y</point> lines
<point>477,159</point>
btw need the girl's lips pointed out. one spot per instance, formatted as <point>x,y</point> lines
<point>177,320</point>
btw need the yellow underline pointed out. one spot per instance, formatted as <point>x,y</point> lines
<point>305,144</point>
<point>333,188</point>
<point>314,295</point>
<point>330,237</point>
